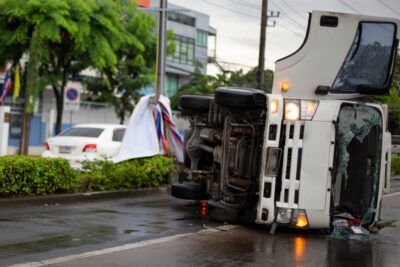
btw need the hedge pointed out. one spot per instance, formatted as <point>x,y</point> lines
<point>395,165</point>
<point>133,174</point>
<point>31,176</point>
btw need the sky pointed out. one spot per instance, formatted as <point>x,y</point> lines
<point>238,25</point>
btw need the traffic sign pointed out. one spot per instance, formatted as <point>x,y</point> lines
<point>72,98</point>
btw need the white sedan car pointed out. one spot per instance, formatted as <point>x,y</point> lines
<point>85,142</point>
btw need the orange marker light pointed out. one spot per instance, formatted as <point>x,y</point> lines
<point>302,221</point>
<point>311,107</point>
<point>285,86</point>
<point>274,106</point>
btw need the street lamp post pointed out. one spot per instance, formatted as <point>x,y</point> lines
<point>161,44</point>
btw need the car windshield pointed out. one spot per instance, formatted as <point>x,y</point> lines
<point>82,132</point>
<point>368,61</point>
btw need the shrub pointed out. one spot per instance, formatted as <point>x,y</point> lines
<point>395,167</point>
<point>28,176</point>
<point>133,174</point>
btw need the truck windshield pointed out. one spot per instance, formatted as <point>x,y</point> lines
<point>368,62</point>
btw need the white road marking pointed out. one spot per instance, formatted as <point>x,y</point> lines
<point>122,248</point>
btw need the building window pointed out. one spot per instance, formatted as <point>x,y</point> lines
<point>181,18</point>
<point>171,85</point>
<point>184,51</point>
<point>201,38</point>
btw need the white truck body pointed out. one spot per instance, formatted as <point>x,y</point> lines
<point>311,152</point>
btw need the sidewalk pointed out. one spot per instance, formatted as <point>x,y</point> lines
<point>79,197</point>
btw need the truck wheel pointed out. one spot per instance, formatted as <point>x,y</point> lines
<point>240,97</point>
<point>189,191</point>
<point>194,104</point>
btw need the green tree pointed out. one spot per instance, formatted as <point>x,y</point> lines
<point>75,34</point>
<point>200,84</point>
<point>392,100</point>
<point>135,68</point>
<point>241,79</point>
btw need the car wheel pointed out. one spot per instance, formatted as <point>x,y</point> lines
<point>194,104</point>
<point>189,191</point>
<point>240,97</point>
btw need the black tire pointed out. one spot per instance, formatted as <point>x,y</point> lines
<point>194,104</point>
<point>189,191</point>
<point>240,97</point>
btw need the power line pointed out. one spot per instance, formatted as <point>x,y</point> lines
<point>246,4</point>
<point>389,7</point>
<point>295,33</point>
<point>294,10</point>
<point>257,17</point>
<point>232,10</point>
<point>289,18</point>
<point>349,6</point>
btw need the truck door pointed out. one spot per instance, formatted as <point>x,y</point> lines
<point>357,165</point>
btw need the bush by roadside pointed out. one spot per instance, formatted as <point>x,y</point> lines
<point>395,166</point>
<point>102,175</point>
<point>30,176</point>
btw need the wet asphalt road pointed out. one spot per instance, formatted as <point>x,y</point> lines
<point>158,230</point>
<point>31,232</point>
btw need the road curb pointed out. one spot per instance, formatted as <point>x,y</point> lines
<point>80,197</point>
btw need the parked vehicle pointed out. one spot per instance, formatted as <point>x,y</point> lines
<point>310,154</point>
<point>85,142</point>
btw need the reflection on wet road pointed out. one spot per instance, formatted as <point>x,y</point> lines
<point>35,232</point>
<point>146,232</point>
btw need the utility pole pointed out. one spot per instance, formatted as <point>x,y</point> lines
<point>261,56</point>
<point>263,37</point>
<point>161,44</point>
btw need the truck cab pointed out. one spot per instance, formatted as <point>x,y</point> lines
<point>311,153</point>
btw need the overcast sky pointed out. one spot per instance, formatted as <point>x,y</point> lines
<point>238,24</point>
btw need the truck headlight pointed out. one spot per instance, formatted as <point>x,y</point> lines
<point>284,215</point>
<point>292,110</point>
<point>296,109</point>
<point>308,109</point>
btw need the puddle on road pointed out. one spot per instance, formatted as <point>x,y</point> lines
<point>130,231</point>
<point>96,235</point>
<point>104,211</point>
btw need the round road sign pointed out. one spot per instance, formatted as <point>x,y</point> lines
<point>72,94</point>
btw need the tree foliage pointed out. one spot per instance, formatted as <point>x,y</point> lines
<point>200,84</point>
<point>74,35</point>
<point>135,68</point>
<point>392,100</point>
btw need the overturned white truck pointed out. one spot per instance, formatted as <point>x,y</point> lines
<point>311,152</point>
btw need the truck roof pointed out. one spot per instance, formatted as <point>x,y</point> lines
<point>343,56</point>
